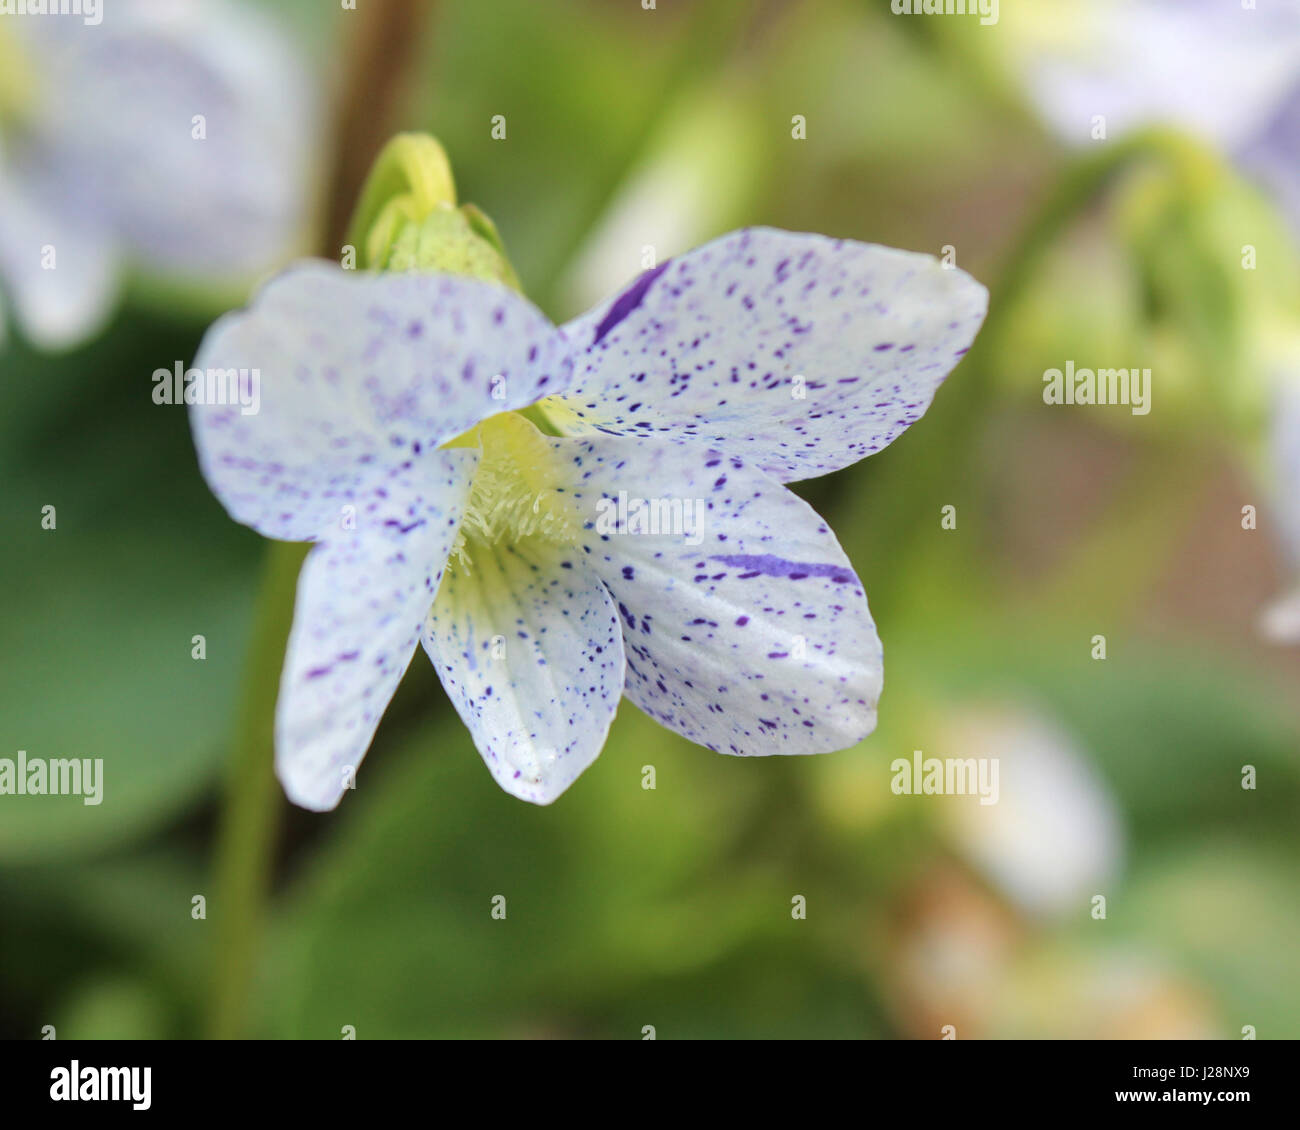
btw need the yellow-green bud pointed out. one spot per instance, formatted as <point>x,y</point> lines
<point>407,218</point>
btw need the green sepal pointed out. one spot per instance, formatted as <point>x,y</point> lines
<point>445,241</point>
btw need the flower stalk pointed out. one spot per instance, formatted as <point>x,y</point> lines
<point>246,838</point>
<point>246,843</point>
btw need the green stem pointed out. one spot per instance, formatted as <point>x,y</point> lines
<point>246,840</point>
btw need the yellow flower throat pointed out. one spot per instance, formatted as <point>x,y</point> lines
<point>516,495</point>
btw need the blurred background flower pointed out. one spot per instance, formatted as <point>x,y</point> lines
<point>173,139</point>
<point>1228,74</point>
<point>1051,839</point>
<point>1086,610</point>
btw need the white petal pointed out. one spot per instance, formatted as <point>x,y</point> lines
<point>362,599</point>
<point>56,258</point>
<point>118,102</point>
<point>744,625</point>
<point>358,371</point>
<point>800,353</point>
<point>527,644</point>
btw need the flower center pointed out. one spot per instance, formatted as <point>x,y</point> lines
<point>516,494</point>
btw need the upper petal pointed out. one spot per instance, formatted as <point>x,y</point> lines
<point>800,353</point>
<point>363,595</point>
<point>744,625</point>
<point>357,370</point>
<point>527,644</point>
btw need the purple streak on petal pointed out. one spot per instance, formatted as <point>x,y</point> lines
<point>628,301</point>
<point>766,565</point>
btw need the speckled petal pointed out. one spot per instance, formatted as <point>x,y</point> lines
<point>745,627</point>
<point>801,354</point>
<point>363,596</point>
<point>527,644</point>
<point>360,372</point>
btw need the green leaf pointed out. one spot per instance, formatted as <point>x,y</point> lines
<point>609,893</point>
<point>98,632</point>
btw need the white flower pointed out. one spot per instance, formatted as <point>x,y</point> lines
<point>171,136</point>
<point>1053,839</point>
<point>1216,68</point>
<point>390,434</point>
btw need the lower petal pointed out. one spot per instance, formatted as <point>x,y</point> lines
<point>527,644</point>
<point>362,599</point>
<point>745,627</point>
